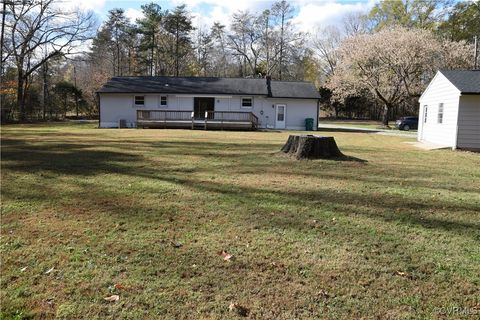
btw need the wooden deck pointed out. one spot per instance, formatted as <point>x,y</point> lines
<point>228,120</point>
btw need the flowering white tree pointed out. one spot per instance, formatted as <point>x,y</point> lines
<point>393,64</point>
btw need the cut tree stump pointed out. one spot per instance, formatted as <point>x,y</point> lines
<point>312,147</point>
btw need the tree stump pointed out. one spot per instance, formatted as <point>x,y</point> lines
<point>311,147</point>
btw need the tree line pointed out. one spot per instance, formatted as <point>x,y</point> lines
<point>370,64</point>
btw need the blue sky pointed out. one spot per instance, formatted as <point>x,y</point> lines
<point>308,13</point>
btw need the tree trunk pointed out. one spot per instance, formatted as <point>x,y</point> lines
<point>151,62</point>
<point>281,47</point>
<point>385,114</point>
<point>21,95</point>
<point>45,90</point>
<point>177,40</point>
<point>65,108</point>
<point>4,13</point>
<point>311,147</point>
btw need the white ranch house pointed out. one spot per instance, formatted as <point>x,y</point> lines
<point>449,113</point>
<point>202,102</point>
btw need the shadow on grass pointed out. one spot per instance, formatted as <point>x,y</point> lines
<point>66,158</point>
<point>81,159</point>
<point>352,130</point>
<point>341,158</point>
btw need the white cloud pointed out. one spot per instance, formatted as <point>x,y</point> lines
<point>133,14</point>
<point>322,13</point>
<point>93,5</point>
<point>309,13</point>
<point>220,10</point>
<point>227,5</point>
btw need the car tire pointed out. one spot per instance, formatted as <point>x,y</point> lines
<point>406,127</point>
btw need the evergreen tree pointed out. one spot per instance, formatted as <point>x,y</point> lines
<point>149,27</point>
<point>179,25</point>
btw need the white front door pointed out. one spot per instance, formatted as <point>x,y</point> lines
<point>281,111</point>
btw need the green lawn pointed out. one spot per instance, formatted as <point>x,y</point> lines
<point>368,124</point>
<point>145,214</point>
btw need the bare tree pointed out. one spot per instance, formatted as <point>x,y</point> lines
<point>325,43</point>
<point>245,40</point>
<point>203,48</point>
<point>354,23</point>
<point>42,24</point>
<point>220,47</point>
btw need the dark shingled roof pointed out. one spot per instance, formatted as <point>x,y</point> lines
<point>205,85</point>
<point>467,81</point>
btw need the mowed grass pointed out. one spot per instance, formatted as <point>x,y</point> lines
<point>144,214</point>
<point>368,124</point>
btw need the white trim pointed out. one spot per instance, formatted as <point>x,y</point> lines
<point>160,101</point>
<point>284,105</point>
<point>246,107</point>
<point>135,105</point>
<point>201,96</point>
<point>428,87</point>
<point>455,144</point>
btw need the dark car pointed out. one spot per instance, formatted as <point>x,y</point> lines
<point>407,123</point>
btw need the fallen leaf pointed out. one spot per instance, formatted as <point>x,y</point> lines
<point>226,256</point>
<point>112,298</point>
<point>241,311</point>
<point>119,286</point>
<point>50,270</point>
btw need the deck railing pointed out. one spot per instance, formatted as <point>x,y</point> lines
<point>219,118</point>
<point>162,115</point>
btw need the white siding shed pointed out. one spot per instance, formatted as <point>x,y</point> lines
<point>449,112</point>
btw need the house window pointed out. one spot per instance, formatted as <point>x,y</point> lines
<point>163,101</point>
<point>139,101</point>
<point>247,102</point>
<point>440,113</point>
<point>425,113</point>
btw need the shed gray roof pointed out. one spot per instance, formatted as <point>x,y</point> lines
<point>207,85</point>
<point>467,81</point>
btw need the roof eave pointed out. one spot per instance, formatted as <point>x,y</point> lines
<point>203,93</point>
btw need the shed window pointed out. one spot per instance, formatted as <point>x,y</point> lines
<point>163,101</point>
<point>440,113</point>
<point>425,113</point>
<point>139,100</point>
<point>247,102</point>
